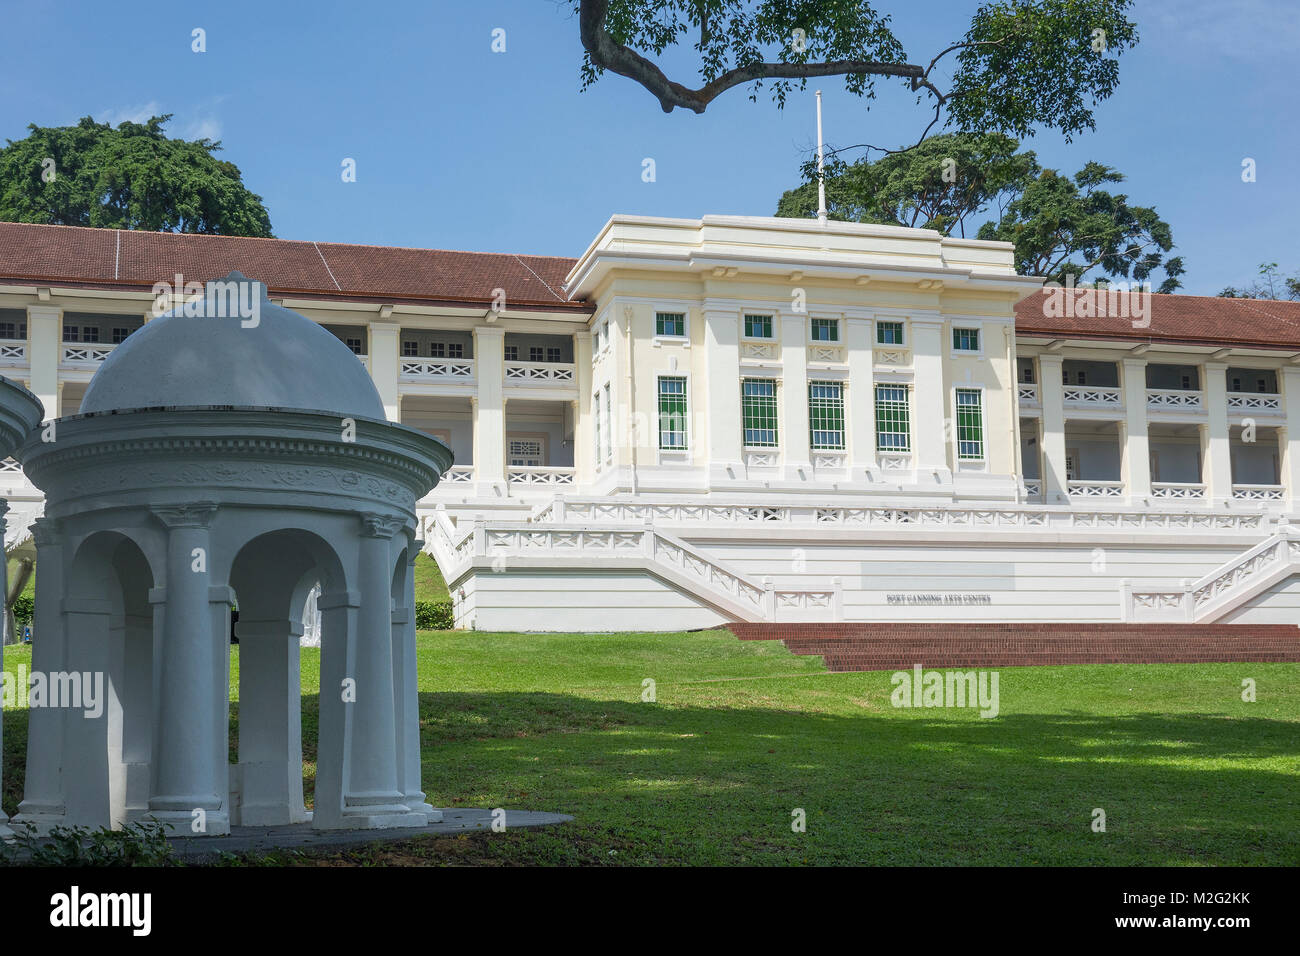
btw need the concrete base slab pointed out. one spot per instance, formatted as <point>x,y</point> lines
<point>301,836</point>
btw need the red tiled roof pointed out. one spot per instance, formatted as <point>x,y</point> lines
<point>1185,319</point>
<point>112,258</point>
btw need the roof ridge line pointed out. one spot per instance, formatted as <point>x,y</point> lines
<point>326,265</point>
<point>538,278</point>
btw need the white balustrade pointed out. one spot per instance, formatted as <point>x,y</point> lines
<point>1258,492</point>
<point>1027,392</point>
<point>539,373</point>
<point>1255,402</point>
<point>1096,396</point>
<point>13,353</point>
<point>1175,399</point>
<point>437,370</point>
<point>86,354</point>
<point>540,476</point>
<point>1095,489</point>
<point>1178,490</point>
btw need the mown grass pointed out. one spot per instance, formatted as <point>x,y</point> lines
<point>742,734</point>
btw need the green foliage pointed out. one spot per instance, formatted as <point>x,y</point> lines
<point>939,184</point>
<point>22,608</point>
<point>136,844</point>
<point>1036,62</point>
<point>1021,64</point>
<point>433,616</point>
<point>1271,284</point>
<point>1061,226</point>
<point>1065,226</point>
<point>131,177</point>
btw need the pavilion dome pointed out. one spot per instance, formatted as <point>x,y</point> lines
<point>281,360</point>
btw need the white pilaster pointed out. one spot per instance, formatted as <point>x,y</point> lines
<point>1218,451</point>
<point>722,348</point>
<point>929,402</point>
<point>860,397</point>
<point>1051,391</point>
<point>1136,460</point>
<point>1291,456</point>
<point>794,397</point>
<point>44,341</point>
<point>490,411</point>
<point>385,359</point>
<point>583,457</point>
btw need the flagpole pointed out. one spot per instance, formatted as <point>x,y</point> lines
<point>821,166</point>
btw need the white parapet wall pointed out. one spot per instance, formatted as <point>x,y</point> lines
<point>609,565</point>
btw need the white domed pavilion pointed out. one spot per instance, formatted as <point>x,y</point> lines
<point>231,457</point>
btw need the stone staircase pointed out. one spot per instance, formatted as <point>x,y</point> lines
<point>886,646</point>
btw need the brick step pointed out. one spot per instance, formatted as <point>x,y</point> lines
<point>882,646</point>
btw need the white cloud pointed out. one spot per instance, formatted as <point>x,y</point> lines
<point>130,114</point>
<point>206,128</point>
<point>1242,29</point>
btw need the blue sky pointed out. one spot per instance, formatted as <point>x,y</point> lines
<point>462,148</point>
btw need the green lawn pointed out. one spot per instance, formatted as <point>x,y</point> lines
<point>744,733</point>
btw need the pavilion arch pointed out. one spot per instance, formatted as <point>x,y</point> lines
<point>271,575</point>
<point>103,641</point>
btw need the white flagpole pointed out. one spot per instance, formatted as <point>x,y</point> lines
<point>821,166</point>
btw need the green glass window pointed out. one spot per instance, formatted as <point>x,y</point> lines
<point>826,415</point>
<point>889,333</point>
<point>758,409</point>
<point>966,340</point>
<point>893,419</point>
<point>758,326</point>
<point>672,413</point>
<point>670,323</point>
<point>970,424</point>
<point>825,330</point>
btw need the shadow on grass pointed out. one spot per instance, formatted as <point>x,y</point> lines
<point>662,784</point>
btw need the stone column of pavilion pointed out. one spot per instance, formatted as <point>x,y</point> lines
<point>200,474</point>
<point>20,412</point>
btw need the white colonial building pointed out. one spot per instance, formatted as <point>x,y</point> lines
<point>758,419</point>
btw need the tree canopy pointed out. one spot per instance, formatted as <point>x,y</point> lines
<point>940,184</point>
<point>1062,226</point>
<point>1021,64</point>
<point>129,177</point>
<point>1268,284</point>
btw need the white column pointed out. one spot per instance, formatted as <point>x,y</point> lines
<point>338,653</point>
<point>583,459</point>
<point>1291,458</point>
<point>794,397</point>
<point>270,722</point>
<point>1051,392</point>
<point>490,412</point>
<point>406,692</point>
<point>1218,451</point>
<point>860,398</point>
<point>929,403</point>
<point>385,361</point>
<point>1136,451</point>
<point>184,779</point>
<point>372,797</point>
<point>43,802</point>
<point>4,589</point>
<point>44,342</point>
<point>722,390</point>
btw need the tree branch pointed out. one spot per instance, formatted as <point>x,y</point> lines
<point>608,55</point>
